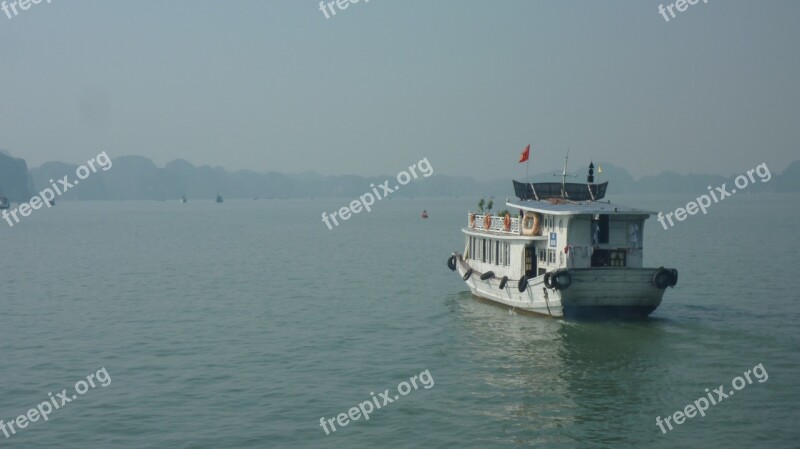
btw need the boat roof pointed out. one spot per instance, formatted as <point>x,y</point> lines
<point>569,190</point>
<point>566,207</point>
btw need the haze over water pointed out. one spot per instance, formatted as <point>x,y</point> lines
<point>239,325</point>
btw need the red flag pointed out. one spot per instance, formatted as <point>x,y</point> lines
<point>525,154</point>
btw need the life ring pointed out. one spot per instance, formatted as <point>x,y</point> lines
<point>487,275</point>
<point>471,220</point>
<point>451,263</point>
<point>561,280</point>
<point>503,282</point>
<point>662,278</point>
<point>487,221</point>
<point>467,274</point>
<point>531,224</point>
<point>507,222</point>
<point>522,284</point>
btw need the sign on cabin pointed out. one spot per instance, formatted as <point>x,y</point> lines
<point>553,240</point>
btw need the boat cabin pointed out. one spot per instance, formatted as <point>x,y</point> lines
<point>551,234</point>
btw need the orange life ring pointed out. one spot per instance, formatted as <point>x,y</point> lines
<point>507,222</point>
<point>487,221</point>
<point>471,220</point>
<point>531,224</point>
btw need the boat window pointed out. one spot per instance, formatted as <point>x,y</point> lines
<point>530,260</point>
<point>542,256</point>
<point>618,258</point>
<point>500,255</point>
<point>483,252</point>
<point>497,252</point>
<point>551,256</point>
<point>609,258</point>
<point>507,251</point>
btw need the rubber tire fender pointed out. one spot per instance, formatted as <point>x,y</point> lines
<point>548,280</point>
<point>561,285</point>
<point>522,284</point>
<point>451,263</point>
<point>467,274</point>
<point>503,282</point>
<point>487,275</point>
<point>662,278</point>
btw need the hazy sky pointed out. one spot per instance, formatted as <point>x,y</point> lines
<point>273,85</point>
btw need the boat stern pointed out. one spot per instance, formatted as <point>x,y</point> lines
<point>615,292</point>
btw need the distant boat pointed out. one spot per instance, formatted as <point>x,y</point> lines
<point>52,202</point>
<point>424,214</point>
<point>4,203</point>
<point>183,199</point>
<point>219,198</point>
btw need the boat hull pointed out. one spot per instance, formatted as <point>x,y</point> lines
<point>626,293</point>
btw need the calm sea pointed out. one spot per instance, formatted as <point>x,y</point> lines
<point>240,325</point>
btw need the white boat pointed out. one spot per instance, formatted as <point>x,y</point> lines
<point>565,254</point>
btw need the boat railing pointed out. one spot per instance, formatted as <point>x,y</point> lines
<point>497,224</point>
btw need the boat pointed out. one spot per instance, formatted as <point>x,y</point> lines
<point>424,214</point>
<point>219,198</point>
<point>4,203</point>
<point>183,199</point>
<point>565,253</point>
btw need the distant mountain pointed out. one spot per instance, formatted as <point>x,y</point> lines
<point>15,181</point>
<point>91,188</point>
<point>789,181</point>
<point>138,178</point>
<point>675,183</point>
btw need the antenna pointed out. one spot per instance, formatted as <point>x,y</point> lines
<point>564,175</point>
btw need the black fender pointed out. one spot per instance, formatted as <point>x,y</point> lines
<point>662,278</point>
<point>674,280</point>
<point>467,274</point>
<point>503,282</point>
<point>451,263</point>
<point>548,280</point>
<point>522,284</point>
<point>561,280</point>
<point>487,275</point>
